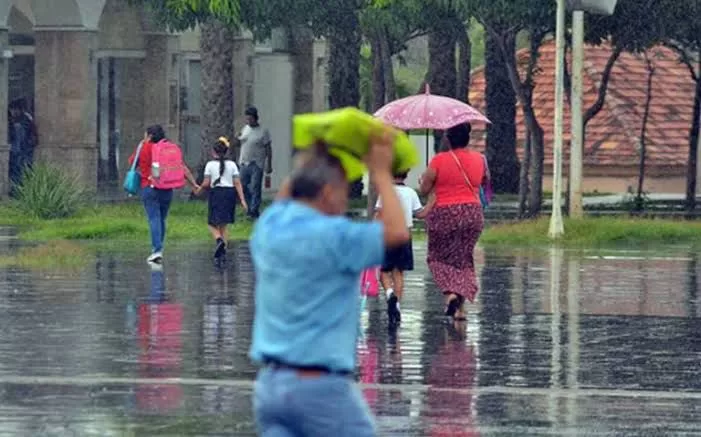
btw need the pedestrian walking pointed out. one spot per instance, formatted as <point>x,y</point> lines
<point>222,178</point>
<point>456,222</point>
<point>400,259</point>
<point>256,158</point>
<point>308,257</point>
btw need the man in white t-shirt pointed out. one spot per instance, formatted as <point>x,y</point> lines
<point>256,158</point>
<point>400,259</point>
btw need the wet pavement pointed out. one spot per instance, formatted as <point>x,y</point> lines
<point>559,343</point>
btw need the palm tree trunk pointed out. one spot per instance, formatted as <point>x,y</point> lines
<point>442,75</point>
<point>501,110</point>
<point>464,63</point>
<point>344,63</point>
<point>378,72</point>
<point>388,68</point>
<point>301,43</point>
<point>216,47</point>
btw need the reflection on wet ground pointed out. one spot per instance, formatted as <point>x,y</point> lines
<point>560,343</point>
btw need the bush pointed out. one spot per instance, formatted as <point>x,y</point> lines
<point>48,192</point>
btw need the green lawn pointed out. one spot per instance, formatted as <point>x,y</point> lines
<point>118,223</point>
<point>126,223</point>
<point>597,232</point>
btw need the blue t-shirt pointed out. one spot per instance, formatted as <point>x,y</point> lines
<point>308,268</point>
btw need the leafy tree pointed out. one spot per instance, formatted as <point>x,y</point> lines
<point>503,21</point>
<point>685,38</point>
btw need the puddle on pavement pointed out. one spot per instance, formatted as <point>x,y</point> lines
<point>559,342</point>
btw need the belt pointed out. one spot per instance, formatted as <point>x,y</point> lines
<point>306,371</point>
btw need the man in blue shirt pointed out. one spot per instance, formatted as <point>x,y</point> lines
<point>308,259</point>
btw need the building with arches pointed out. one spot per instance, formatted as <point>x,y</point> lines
<point>94,73</point>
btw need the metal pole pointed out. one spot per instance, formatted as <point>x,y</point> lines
<point>556,226</point>
<point>577,142</point>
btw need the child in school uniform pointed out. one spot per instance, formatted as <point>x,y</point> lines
<point>221,175</point>
<point>400,259</point>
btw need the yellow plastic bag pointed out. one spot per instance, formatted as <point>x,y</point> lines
<point>347,132</point>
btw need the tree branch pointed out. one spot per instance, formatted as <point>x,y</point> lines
<point>685,59</point>
<point>603,86</point>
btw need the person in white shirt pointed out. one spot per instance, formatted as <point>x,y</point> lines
<point>401,259</point>
<point>222,176</point>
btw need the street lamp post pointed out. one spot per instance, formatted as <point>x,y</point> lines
<point>601,7</point>
<point>556,226</point>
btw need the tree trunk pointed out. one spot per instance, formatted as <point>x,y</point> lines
<point>694,145</point>
<point>639,201</point>
<point>378,72</point>
<point>464,63</point>
<point>535,195</point>
<point>388,68</point>
<point>501,110</point>
<point>217,112</point>
<point>442,75</point>
<point>344,63</point>
<point>524,186</point>
<point>301,43</point>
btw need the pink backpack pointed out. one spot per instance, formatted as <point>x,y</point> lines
<point>167,168</point>
<point>369,285</point>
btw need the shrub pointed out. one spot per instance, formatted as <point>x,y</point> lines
<point>48,192</point>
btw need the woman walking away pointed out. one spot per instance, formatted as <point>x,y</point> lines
<point>162,170</point>
<point>456,222</point>
<point>222,175</point>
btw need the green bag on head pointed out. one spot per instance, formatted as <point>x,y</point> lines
<point>347,133</point>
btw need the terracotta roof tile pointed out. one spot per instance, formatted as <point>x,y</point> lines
<point>612,137</point>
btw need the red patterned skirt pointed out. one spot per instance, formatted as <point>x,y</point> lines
<point>453,232</point>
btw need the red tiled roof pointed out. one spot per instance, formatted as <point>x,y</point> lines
<point>612,137</point>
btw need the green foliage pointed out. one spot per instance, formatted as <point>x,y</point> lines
<point>181,15</point>
<point>48,192</point>
<point>637,25</point>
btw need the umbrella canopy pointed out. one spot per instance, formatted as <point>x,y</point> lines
<point>428,111</point>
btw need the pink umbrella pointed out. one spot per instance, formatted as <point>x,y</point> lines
<point>428,111</point>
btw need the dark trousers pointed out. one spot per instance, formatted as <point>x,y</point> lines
<point>252,181</point>
<point>18,162</point>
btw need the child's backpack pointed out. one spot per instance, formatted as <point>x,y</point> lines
<point>167,168</point>
<point>369,286</point>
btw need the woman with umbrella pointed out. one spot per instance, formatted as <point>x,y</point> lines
<point>454,177</point>
<point>456,222</point>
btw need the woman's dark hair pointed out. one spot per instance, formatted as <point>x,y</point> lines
<point>156,133</point>
<point>17,104</point>
<point>459,136</point>
<point>252,112</point>
<point>220,149</point>
<point>315,169</point>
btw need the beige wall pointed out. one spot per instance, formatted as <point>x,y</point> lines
<point>603,184</point>
<point>120,27</point>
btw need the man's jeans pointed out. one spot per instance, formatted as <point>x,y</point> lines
<point>252,181</point>
<point>157,205</point>
<point>18,163</point>
<point>286,405</point>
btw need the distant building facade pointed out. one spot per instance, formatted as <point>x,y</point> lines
<point>95,73</point>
